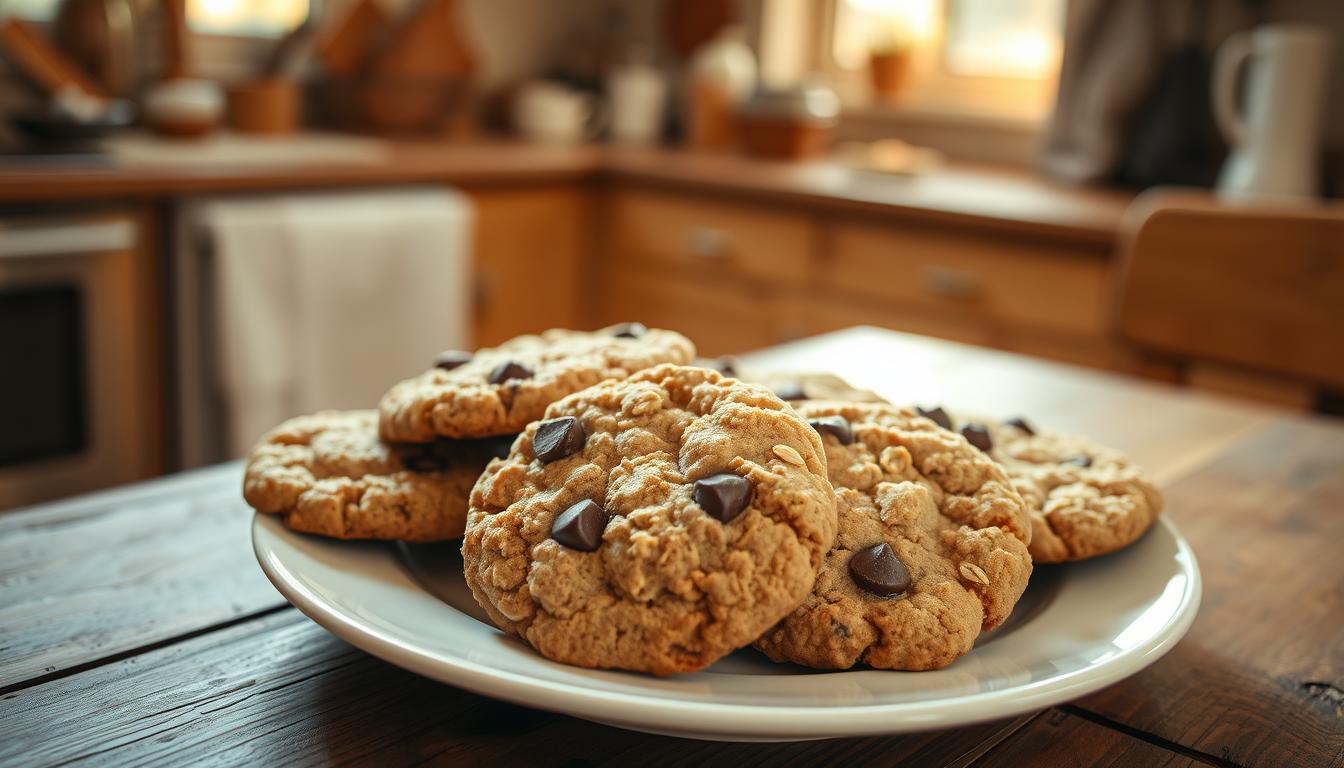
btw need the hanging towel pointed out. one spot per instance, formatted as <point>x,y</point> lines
<point>324,301</point>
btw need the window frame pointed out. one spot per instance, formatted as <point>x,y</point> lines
<point>934,89</point>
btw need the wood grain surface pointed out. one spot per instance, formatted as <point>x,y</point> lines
<point>89,579</point>
<point>135,627</point>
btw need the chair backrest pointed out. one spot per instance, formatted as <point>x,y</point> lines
<point>1254,285</point>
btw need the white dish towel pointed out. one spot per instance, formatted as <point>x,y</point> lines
<point>325,300</point>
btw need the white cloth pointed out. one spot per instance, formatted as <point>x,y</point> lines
<point>323,301</point>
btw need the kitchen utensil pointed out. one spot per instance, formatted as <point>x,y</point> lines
<point>99,37</point>
<point>721,74</point>
<point>41,62</point>
<point>1276,136</point>
<point>265,106</point>
<point>637,95</point>
<point>1075,630</point>
<point>345,49</point>
<point>182,106</point>
<point>788,124</point>
<point>554,113</point>
<point>53,125</point>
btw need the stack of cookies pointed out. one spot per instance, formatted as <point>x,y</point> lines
<point>621,508</point>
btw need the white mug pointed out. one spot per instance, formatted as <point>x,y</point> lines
<point>638,98</point>
<point>1275,136</point>
<point>555,114</point>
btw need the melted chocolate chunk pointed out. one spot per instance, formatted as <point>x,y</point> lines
<point>1021,424</point>
<point>509,369</point>
<point>723,496</point>
<point>450,359</point>
<point>978,435</point>
<point>937,415</point>
<point>558,438</point>
<point>1078,461</point>
<point>833,425</point>
<point>878,570</point>
<point>580,526</point>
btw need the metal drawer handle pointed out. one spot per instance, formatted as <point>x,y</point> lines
<point>950,283</point>
<point>708,242</point>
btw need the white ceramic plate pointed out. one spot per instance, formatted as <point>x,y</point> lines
<point>1078,628</point>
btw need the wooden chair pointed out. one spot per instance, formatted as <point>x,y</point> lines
<point>1249,297</point>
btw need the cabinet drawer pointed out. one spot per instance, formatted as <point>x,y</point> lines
<point>720,317</point>
<point>990,277</point>
<point>725,238</point>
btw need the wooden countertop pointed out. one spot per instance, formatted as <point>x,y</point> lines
<point>977,196</point>
<point>137,628</point>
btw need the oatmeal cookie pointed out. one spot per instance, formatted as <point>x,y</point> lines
<point>931,546</point>
<point>329,474</point>
<point>654,523</point>
<point>499,390</point>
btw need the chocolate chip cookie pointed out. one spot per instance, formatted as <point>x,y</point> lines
<point>329,474</point>
<point>1085,499</point>
<point>499,390</point>
<point>654,523</point>
<point>931,547</point>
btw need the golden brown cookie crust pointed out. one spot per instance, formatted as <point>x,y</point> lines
<point>670,589</point>
<point>951,516</point>
<point>462,402</point>
<point>328,473</point>
<point>1077,512</point>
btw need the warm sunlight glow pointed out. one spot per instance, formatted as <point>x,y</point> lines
<point>246,17</point>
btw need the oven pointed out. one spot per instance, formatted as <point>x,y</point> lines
<point>77,378</point>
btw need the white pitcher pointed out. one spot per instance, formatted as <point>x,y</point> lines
<point>1276,139</point>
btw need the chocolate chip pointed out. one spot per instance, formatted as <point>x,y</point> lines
<point>833,425</point>
<point>558,438</point>
<point>580,527</point>
<point>878,570</point>
<point>453,358</point>
<point>509,369</point>
<point>723,496</point>
<point>1021,424</point>
<point>629,330</point>
<point>791,391</point>
<point>978,435</point>
<point>426,457</point>
<point>1078,461</point>
<point>937,415</point>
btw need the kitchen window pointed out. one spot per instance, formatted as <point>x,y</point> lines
<point>974,58</point>
<point>239,18</point>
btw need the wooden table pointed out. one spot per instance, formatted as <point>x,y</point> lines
<point>135,626</point>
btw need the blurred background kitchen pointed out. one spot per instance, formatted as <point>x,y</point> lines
<point>215,214</point>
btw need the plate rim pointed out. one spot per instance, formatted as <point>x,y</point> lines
<point>699,719</point>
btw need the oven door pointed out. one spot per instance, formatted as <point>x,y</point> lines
<point>72,378</point>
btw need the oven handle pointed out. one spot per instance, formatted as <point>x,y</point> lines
<point>65,238</point>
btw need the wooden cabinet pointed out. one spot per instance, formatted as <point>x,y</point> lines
<point>726,240</point>
<point>991,279</point>
<point>532,248</point>
<point>735,276</point>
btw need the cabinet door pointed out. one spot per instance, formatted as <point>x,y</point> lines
<point>733,241</point>
<point>531,247</point>
<point>987,278</point>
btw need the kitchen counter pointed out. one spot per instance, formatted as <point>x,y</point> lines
<point>960,194</point>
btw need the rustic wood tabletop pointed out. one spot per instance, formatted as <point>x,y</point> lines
<point>136,627</point>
